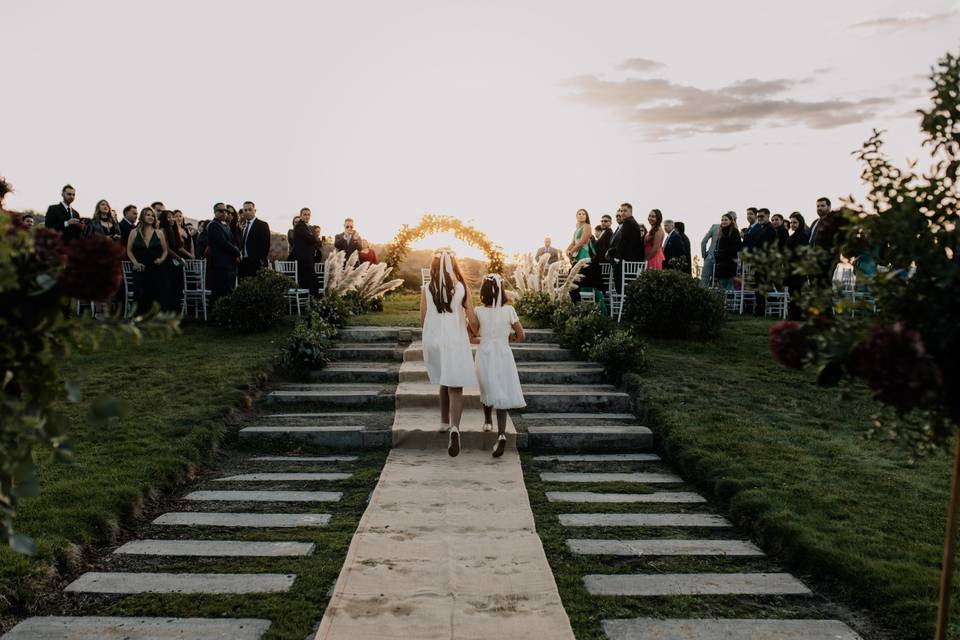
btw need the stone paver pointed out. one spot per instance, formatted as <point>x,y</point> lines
<point>600,457</point>
<point>264,496</point>
<point>253,520</point>
<point>220,548</point>
<point>285,477</point>
<point>305,458</point>
<point>97,582</point>
<point>115,628</point>
<point>599,415</point>
<point>642,520</point>
<point>665,497</point>
<point>644,478</point>
<point>664,547</point>
<point>674,584</point>
<point>727,629</point>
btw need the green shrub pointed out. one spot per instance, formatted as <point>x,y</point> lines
<point>306,348</point>
<point>536,305</point>
<point>333,308</point>
<point>619,352</point>
<point>257,304</point>
<point>580,326</point>
<point>672,304</point>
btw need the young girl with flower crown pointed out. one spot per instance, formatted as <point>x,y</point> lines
<point>445,311</point>
<point>496,370</point>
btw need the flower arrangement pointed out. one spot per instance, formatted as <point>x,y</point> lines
<point>429,224</point>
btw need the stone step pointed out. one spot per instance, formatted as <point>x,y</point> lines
<point>664,547</point>
<point>599,457</point>
<point>264,496</point>
<point>643,478</point>
<point>247,520</point>
<point>694,584</point>
<point>304,459</point>
<point>660,497</point>
<point>726,629</point>
<point>419,428</point>
<point>216,548</point>
<point>407,334</point>
<point>285,477</point>
<point>577,438</point>
<point>351,372</point>
<point>643,520</point>
<point>341,437</point>
<point>554,397</point>
<point>124,583</point>
<point>365,352</point>
<point>567,373</point>
<point>105,628</point>
<point>336,395</point>
<point>592,417</point>
<point>522,352</point>
<point>318,418</point>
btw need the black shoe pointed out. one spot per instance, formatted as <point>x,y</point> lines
<point>453,442</point>
<point>500,446</point>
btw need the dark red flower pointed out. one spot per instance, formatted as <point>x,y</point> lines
<point>49,249</point>
<point>94,270</point>
<point>896,366</point>
<point>789,346</point>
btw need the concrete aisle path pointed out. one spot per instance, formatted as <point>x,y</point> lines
<point>447,548</point>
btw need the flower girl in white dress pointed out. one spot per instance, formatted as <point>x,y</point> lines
<point>445,310</point>
<point>496,369</point>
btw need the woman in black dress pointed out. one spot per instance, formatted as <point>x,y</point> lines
<point>799,237</point>
<point>147,249</point>
<point>103,223</point>
<point>728,247</point>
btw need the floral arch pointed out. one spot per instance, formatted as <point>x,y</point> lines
<point>429,224</point>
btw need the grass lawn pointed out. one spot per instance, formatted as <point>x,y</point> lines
<point>177,391</point>
<point>791,463</point>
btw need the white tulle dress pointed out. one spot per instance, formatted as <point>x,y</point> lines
<point>446,344</point>
<point>496,369</point>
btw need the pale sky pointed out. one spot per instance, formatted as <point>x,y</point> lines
<point>510,114</point>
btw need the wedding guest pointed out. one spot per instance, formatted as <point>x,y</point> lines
<point>147,250</point>
<point>709,254</point>
<point>367,254</point>
<point>582,248</point>
<point>552,251</point>
<point>173,266</point>
<point>681,229</point>
<point>63,218</point>
<point>157,207</point>
<point>233,223</point>
<point>825,235</point>
<point>799,237</point>
<point>290,234</point>
<point>186,233</point>
<point>759,234</point>
<point>201,243</point>
<point>597,230</point>
<point>577,249</point>
<point>27,220</point>
<point>102,223</point>
<point>128,223</point>
<point>780,229</point>
<point>223,253</point>
<point>326,248</point>
<point>751,220</point>
<point>672,247</point>
<point>615,238</point>
<point>348,241</point>
<point>445,309</point>
<point>305,247</point>
<point>254,242</point>
<point>627,244</point>
<point>603,240</point>
<point>653,244</point>
<point>728,247</point>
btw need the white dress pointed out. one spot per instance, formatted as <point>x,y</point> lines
<point>496,369</point>
<point>446,344</point>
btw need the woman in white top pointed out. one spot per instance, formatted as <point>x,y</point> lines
<point>496,369</point>
<point>445,310</point>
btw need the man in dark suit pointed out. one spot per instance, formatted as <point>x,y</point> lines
<point>254,242</point>
<point>760,238</point>
<point>672,247</point>
<point>224,255</point>
<point>602,243</point>
<point>349,240</point>
<point>614,240</point>
<point>63,218</point>
<point>680,229</point>
<point>128,223</point>
<point>826,233</point>
<point>306,245</point>
<point>628,245</point>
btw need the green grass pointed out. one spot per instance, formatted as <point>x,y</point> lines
<point>178,391</point>
<point>790,463</point>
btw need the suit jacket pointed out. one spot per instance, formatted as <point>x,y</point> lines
<point>673,247</point>
<point>305,243</point>
<point>782,236</point>
<point>349,246</point>
<point>711,237</point>
<point>223,258</point>
<point>602,244</point>
<point>629,245</point>
<point>686,249</point>
<point>760,236</point>
<point>125,228</point>
<point>56,218</point>
<point>256,241</point>
<point>553,251</point>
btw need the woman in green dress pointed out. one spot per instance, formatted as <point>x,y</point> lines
<point>581,248</point>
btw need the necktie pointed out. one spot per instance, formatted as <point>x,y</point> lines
<point>246,232</point>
